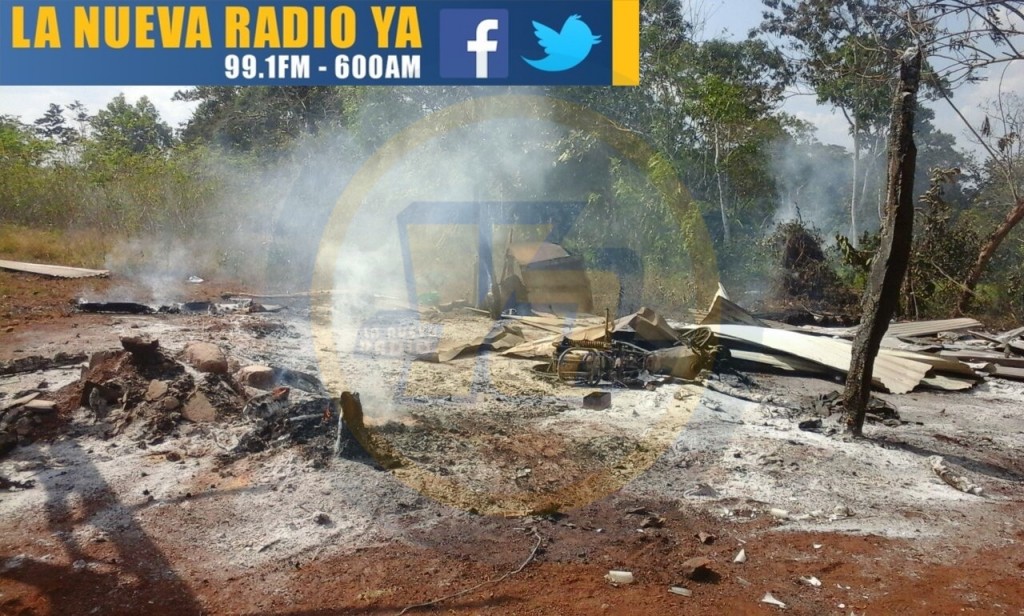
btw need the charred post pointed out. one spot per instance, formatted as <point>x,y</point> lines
<point>881,296</point>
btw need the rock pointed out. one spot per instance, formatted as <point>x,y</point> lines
<point>679,590</point>
<point>142,349</point>
<point>156,390</point>
<point>100,357</point>
<point>811,581</point>
<point>259,377</point>
<point>206,357</point>
<point>322,518</point>
<point>99,396</point>
<point>842,511</point>
<point>198,409</point>
<point>701,490</point>
<point>96,402</point>
<point>741,557</point>
<point>23,427</point>
<point>9,329</point>
<point>781,514</point>
<point>653,521</point>
<point>810,425</point>
<point>170,404</point>
<point>696,568</point>
<point>7,442</point>
<point>706,538</point>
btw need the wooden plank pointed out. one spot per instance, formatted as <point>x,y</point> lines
<point>55,271</point>
<point>10,404</point>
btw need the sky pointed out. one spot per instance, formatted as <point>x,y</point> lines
<point>722,18</point>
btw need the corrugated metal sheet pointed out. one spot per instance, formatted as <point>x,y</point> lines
<point>902,330</point>
<point>1013,374</point>
<point>930,328</point>
<point>780,361</point>
<point>725,312</point>
<point>56,271</point>
<point>987,357</point>
<point>895,374</point>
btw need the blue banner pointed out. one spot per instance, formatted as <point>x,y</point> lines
<point>304,42</point>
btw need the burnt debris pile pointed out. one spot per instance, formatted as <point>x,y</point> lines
<point>147,393</point>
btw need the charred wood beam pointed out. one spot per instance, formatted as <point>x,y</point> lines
<point>881,296</point>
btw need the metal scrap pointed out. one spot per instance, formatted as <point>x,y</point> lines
<point>54,271</point>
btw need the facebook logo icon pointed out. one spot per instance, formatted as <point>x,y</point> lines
<point>474,43</point>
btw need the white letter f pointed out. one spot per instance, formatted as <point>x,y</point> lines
<point>483,46</point>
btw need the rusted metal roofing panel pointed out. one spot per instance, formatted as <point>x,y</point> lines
<point>56,271</point>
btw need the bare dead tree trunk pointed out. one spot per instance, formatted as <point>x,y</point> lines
<point>881,295</point>
<point>1014,216</point>
<point>721,190</point>
<point>854,231</point>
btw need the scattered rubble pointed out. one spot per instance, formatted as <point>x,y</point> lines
<point>37,363</point>
<point>956,481</point>
<point>9,484</point>
<point>697,569</point>
<point>258,377</point>
<point>516,428</point>
<point>771,600</point>
<point>619,577</point>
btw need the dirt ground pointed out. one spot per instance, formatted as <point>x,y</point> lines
<point>509,497</point>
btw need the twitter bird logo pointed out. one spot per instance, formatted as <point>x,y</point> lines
<point>565,49</point>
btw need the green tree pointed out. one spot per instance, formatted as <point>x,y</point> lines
<point>847,51</point>
<point>1002,188</point>
<point>265,120</point>
<point>121,129</point>
<point>53,126</point>
<point>21,176</point>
